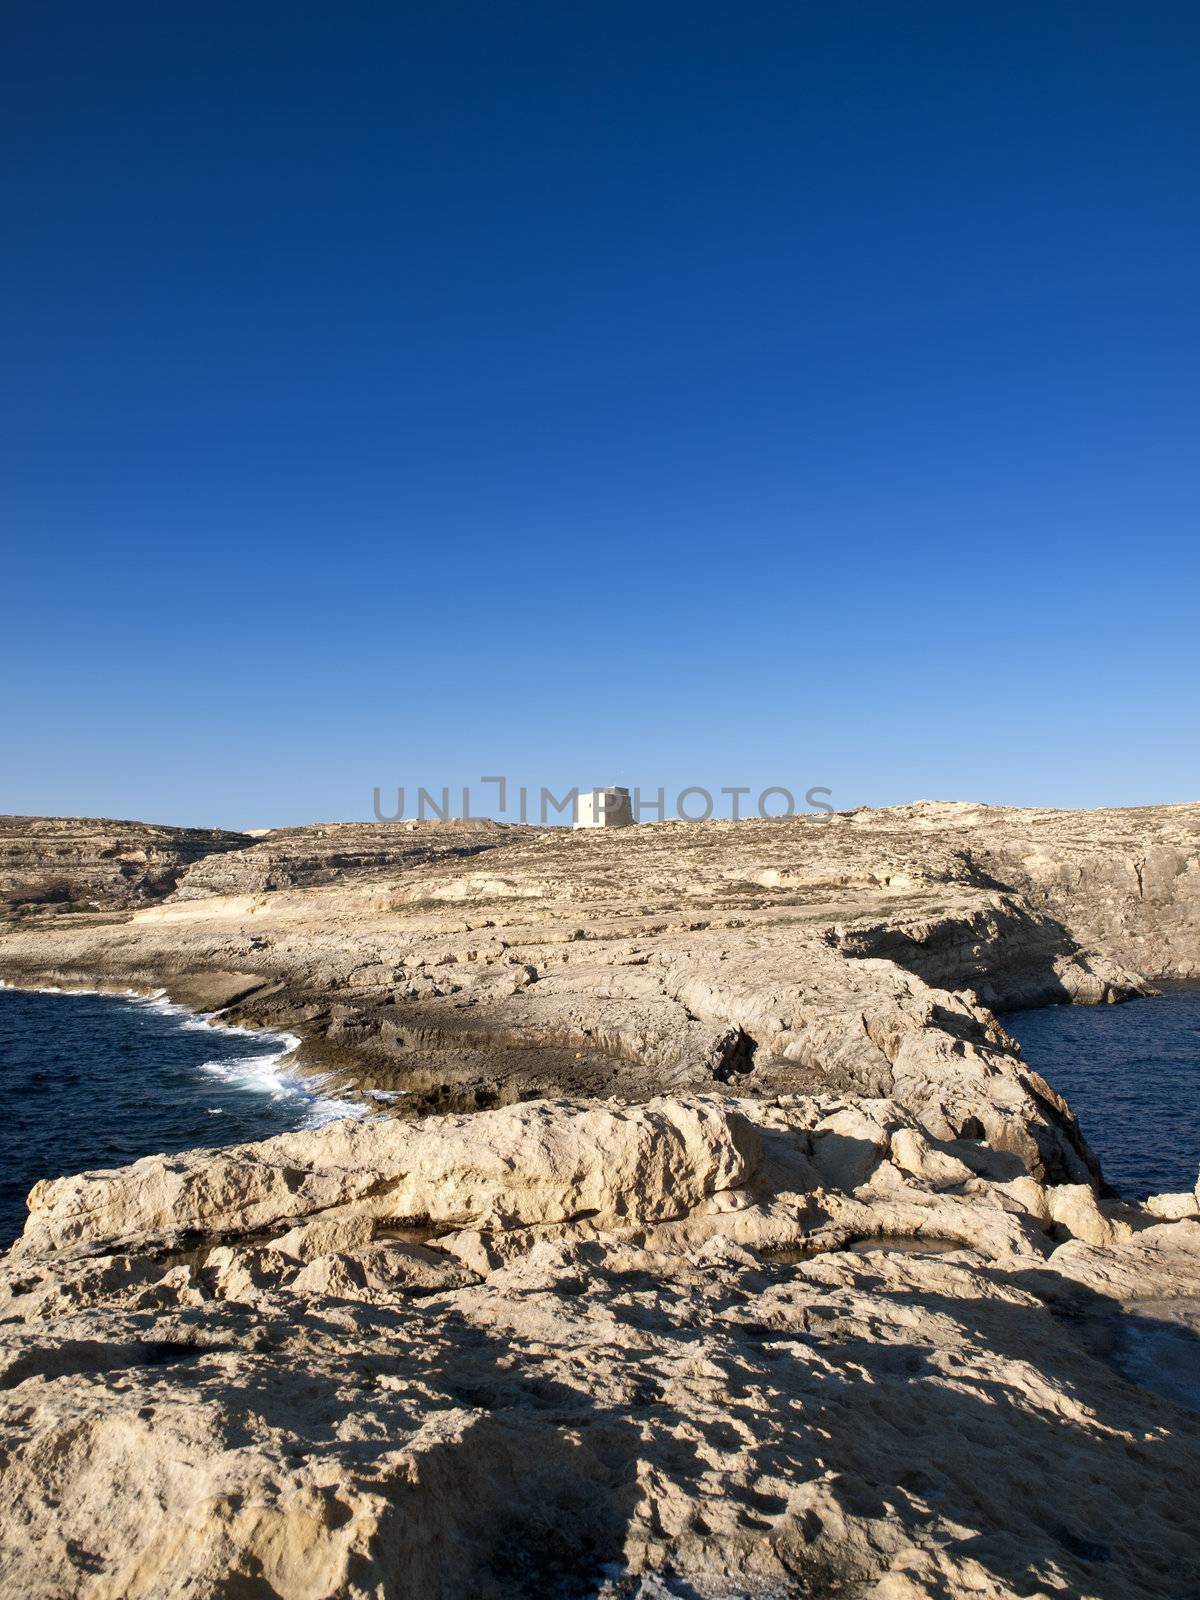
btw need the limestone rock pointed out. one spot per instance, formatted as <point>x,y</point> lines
<point>857,955</point>
<point>634,1386</point>
<point>1173,1207</point>
<point>1074,1207</point>
<point>920,1156</point>
<point>765,1264</point>
<point>83,863</point>
<point>323,853</point>
<point>526,1165</point>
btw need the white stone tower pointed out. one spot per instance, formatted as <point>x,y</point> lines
<point>603,808</point>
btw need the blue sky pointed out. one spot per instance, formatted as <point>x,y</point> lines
<point>645,393</point>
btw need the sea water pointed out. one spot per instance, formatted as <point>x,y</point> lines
<point>91,1080</point>
<point>1132,1076</point>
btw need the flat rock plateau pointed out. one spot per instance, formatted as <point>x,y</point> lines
<point>708,1236</point>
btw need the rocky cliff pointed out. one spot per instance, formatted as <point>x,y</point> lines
<point>690,1348</point>
<point>74,862</point>
<point>466,965</point>
<point>294,858</point>
<point>1124,882</point>
<point>773,1268</point>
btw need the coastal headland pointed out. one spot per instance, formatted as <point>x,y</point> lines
<point>716,1238</point>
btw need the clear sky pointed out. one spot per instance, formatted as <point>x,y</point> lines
<point>616,391</point>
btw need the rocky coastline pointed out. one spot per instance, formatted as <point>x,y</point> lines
<point>609,1307</point>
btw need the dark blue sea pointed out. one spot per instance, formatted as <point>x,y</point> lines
<point>90,1080</point>
<point>1132,1075</point>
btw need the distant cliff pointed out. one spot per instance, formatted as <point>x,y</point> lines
<point>327,852</point>
<point>84,862</point>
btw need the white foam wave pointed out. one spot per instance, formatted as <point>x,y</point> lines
<point>272,1074</point>
<point>275,1075</point>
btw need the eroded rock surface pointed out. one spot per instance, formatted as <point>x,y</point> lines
<point>468,965</point>
<point>67,863</point>
<point>772,1270</point>
<point>569,1349</point>
<point>291,858</point>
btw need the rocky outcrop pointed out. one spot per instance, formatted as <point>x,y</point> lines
<point>569,1349</point>
<point>773,1269</point>
<point>293,858</point>
<point>1126,883</point>
<point>74,863</point>
<point>528,1166</point>
<point>469,965</point>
